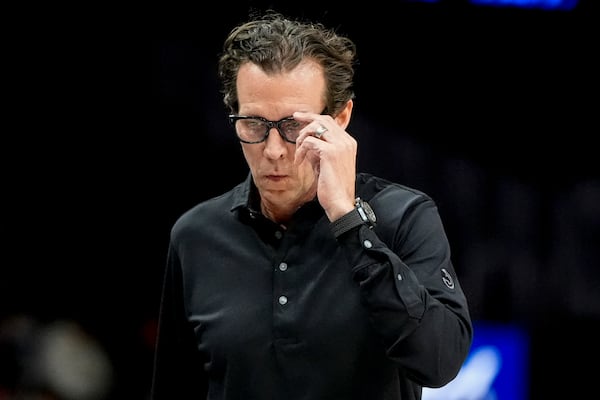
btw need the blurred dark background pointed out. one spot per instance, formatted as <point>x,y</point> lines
<point>491,110</point>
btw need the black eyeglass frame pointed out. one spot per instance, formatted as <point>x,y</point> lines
<point>270,125</point>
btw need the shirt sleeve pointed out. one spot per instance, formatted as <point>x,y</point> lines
<point>412,292</point>
<point>178,372</point>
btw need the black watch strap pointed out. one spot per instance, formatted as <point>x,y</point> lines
<point>346,222</point>
<point>362,214</point>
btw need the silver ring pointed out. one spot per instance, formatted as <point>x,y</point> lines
<point>320,131</point>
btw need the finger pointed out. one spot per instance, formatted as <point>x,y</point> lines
<point>319,131</point>
<point>313,130</point>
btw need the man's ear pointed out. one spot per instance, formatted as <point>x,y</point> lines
<point>343,117</point>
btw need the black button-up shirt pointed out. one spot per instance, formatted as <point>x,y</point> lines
<point>253,311</point>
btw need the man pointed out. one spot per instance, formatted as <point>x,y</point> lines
<point>308,280</point>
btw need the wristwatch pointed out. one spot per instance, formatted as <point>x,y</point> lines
<point>362,214</point>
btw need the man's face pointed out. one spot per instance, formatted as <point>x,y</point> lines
<point>274,97</point>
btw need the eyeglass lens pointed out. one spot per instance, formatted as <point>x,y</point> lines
<point>255,130</point>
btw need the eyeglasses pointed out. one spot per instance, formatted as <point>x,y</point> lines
<point>256,129</point>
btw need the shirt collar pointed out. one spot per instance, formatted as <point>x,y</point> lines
<point>246,196</point>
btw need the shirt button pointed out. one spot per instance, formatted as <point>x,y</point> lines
<point>399,277</point>
<point>282,266</point>
<point>283,300</point>
<point>367,243</point>
<point>278,235</point>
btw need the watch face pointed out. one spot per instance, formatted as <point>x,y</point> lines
<point>366,211</point>
<point>370,212</point>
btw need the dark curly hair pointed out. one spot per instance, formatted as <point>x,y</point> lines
<point>277,43</point>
